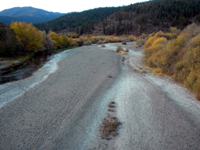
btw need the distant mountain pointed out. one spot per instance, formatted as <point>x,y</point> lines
<point>27,14</point>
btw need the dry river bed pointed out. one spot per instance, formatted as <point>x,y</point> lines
<point>64,103</point>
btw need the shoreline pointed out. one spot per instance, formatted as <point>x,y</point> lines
<point>12,91</point>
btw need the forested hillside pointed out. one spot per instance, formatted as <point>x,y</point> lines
<point>80,22</point>
<point>151,16</point>
<point>146,17</point>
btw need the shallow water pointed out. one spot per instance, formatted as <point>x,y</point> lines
<point>27,69</point>
<point>11,90</point>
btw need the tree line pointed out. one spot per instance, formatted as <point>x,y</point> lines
<point>21,38</point>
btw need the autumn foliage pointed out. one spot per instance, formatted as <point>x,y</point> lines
<point>178,57</point>
<point>28,35</point>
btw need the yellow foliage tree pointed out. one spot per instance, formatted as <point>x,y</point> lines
<point>59,40</point>
<point>65,41</point>
<point>30,37</point>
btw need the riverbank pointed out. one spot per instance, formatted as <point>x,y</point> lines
<point>55,97</point>
<point>13,69</point>
<point>65,109</point>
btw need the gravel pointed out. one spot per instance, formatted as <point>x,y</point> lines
<point>65,110</point>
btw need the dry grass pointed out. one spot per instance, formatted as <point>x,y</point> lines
<point>109,128</point>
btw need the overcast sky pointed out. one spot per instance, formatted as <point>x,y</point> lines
<point>65,6</point>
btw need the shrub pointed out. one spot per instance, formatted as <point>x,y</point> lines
<point>198,96</point>
<point>141,42</point>
<point>123,39</point>
<point>87,42</point>
<point>93,40</point>
<point>161,40</point>
<point>124,43</point>
<point>178,57</point>
<point>114,39</point>
<point>122,52</point>
<point>100,42</point>
<point>174,30</point>
<point>109,128</point>
<point>47,42</point>
<point>132,38</point>
<point>195,41</point>
<point>74,43</point>
<point>57,39</point>
<point>157,71</point>
<point>149,42</point>
<point>119,48</point>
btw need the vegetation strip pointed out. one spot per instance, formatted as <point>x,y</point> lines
<point>176,54</point>
<point>110,125</point>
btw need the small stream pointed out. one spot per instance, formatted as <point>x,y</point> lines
<point>27,69</point>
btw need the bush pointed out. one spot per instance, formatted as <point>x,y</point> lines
<point>100,42</point>
<point>160,40</point>
<point>124,43</point>
<point>122,52</point>
<point>178,57</point>
<point>132,38</point>
<point>119,48</point>
<point>141,42</point>
<point>195,41</point>
<point>47,42</point>
<point>87,42</point>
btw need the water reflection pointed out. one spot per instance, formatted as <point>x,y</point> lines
<point>27,68</point>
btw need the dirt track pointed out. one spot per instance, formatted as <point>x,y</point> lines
<point>65,110</point>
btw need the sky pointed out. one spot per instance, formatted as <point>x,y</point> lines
<point>65,6</point>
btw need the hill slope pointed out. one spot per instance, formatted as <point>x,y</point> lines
<point>80,22</point>
<point>136,19</point>
<point>27,14</point>
<point>151,16</point>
